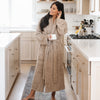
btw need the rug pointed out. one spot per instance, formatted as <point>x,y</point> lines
<point>60,95</point>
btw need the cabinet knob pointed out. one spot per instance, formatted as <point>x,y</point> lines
<point>12,53</point>
<point>13,75</point>
<point>83,63</point>
<point>73,57</point>
<point>73,81</point>
<point>92,11</point>
<point>77,55</point>
<point>10,49</point>
<point>80,70</point>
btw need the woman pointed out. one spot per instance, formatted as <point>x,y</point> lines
<point>49,75</point>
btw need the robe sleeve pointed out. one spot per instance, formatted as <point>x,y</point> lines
<point>61,26</point>
<point>41,36</point>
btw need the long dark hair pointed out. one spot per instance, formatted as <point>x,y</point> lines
<point>45,20</point>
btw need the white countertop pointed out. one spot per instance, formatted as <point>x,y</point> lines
<point>89,48</point>
<point>7,38</point>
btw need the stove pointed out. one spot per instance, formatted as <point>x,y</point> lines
<point>89,36</point>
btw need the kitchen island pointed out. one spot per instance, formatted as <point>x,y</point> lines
<point>9,62</point>
<point>85,68</point>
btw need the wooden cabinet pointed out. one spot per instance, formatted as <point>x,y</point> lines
<point>35,49</point>
<point>95,7</point>
<point>82,6</point>
<point>82,78</point>
<point>25,48</point>
<point>74,74</point>
<point>10,64</point>
<point>29,46</point>
<point>80,74</point>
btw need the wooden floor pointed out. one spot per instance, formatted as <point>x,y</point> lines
<point>18,88</point>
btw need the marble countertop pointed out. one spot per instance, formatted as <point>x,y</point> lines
<point>89,48</point>
<point>7,38</point>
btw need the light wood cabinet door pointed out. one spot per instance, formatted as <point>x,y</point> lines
<point>78,6</point>
<point>74,71</point>
<point>16,56</point>
<point>25,49</point>
<point>80,82</point>
<point>35,49</point>
<point>10,63</point>
<point>83,82</point>
<point>80,74</point>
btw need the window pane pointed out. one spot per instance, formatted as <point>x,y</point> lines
<point>21,13</point>
<point>4,13</point>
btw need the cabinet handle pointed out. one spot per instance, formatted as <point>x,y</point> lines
<point>10,49</point>
<point>13,75</point>
<point>73,57</point>
<point>12,53</point>
<point>77,56</point>
<point>83,63</point>
<point>80,70</point>
<point>73,81</point>
<point>92,11</point>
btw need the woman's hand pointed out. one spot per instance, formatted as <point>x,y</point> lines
<point>59,14</point>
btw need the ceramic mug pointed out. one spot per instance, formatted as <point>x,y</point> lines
<point>52,37</point>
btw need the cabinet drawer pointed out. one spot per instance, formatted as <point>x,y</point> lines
<point>26,35</point>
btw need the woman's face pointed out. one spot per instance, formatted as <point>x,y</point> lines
<point>53,10</point>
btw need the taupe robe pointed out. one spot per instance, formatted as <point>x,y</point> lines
<point>49,74</point>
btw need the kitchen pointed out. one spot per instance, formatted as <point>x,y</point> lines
<point>19,18</point>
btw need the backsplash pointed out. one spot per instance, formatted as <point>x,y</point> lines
<point>72,20</point>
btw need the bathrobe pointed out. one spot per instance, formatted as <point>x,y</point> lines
<point>49,71</point>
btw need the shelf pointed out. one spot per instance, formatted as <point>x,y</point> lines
<point>70,13</point>
<point>44,1</point>
<point>47,12</point>
<point>53,1</point>
<point>68,2</point>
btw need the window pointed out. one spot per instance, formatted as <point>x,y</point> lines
<point>4,13</point>
<point>21,13</point>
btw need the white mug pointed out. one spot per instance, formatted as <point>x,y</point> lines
<point>52,37</point>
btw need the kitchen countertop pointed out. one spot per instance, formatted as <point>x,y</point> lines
<point>7,38</point>
<point>89,48</point>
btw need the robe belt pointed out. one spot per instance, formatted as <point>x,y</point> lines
<point>54,63</point>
